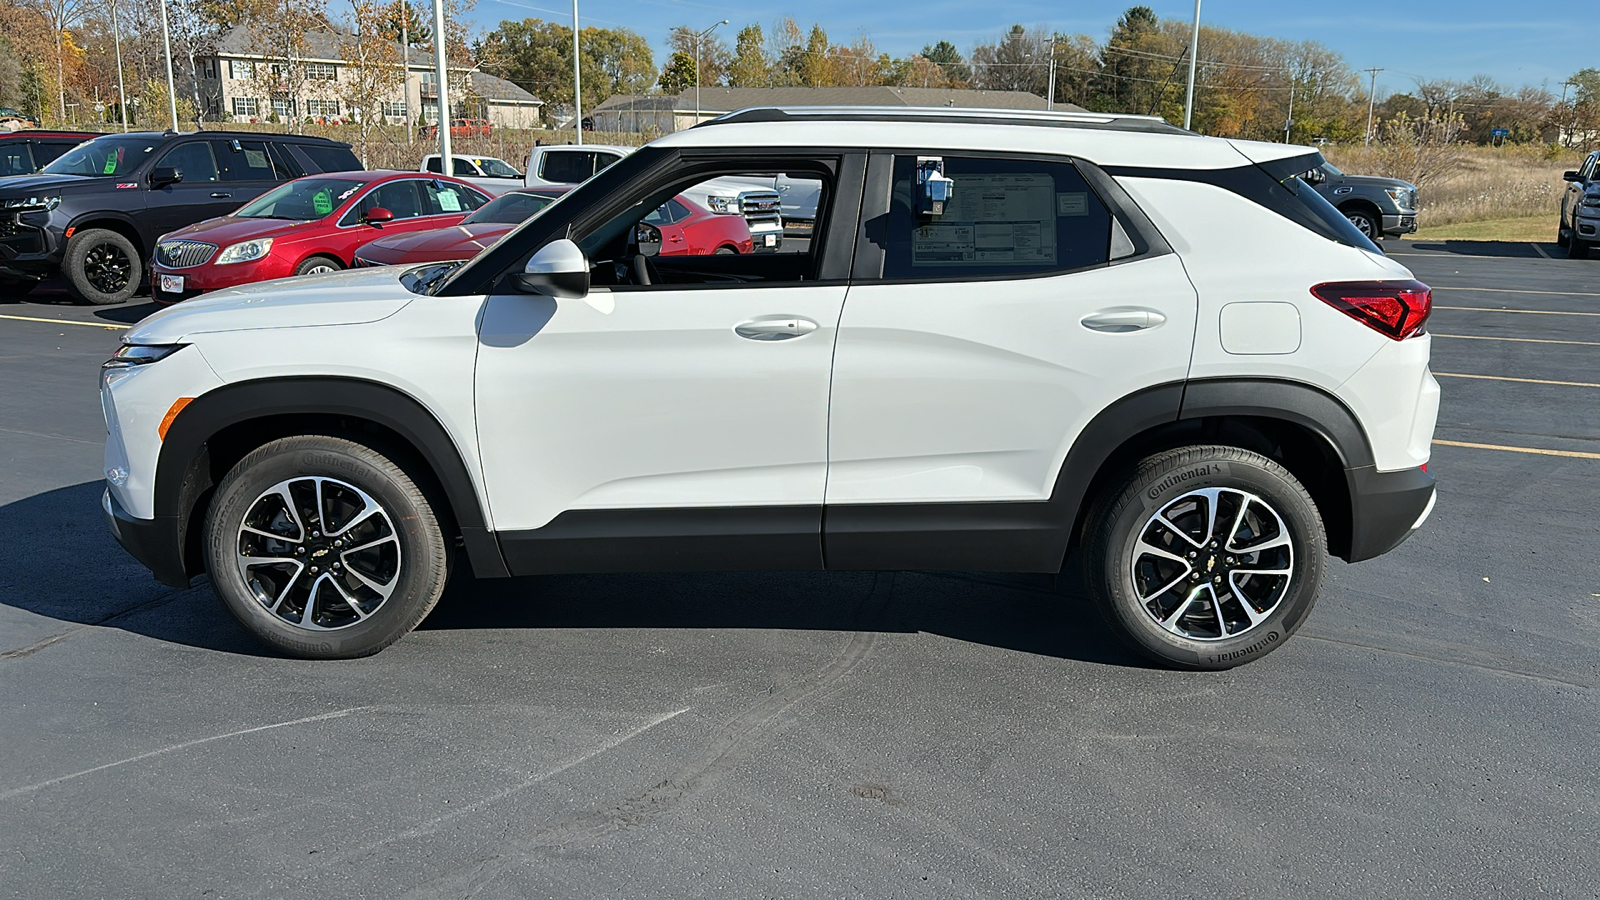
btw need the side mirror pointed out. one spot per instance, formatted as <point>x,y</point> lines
<point>161,176</point>
<point>1315,176</point>
<point>558,269</point>
<point>377,216</point>
<point>1571,176</point>
<point>647,238</point>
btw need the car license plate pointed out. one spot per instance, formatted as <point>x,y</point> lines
<point>772,240</point>
<point>172,284</point>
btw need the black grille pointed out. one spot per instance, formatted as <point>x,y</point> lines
<point>183,254</point>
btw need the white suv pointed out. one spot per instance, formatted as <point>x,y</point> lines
<point>1011,337</point>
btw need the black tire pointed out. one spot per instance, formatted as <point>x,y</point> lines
<point>1577,249</point>
<point>1364,223</point>
<point>727,251</point>
<point>1563,236</point>
<point>406,550</point>
<point>1166,483</point>
<point>102,267</point>
<point>314,263</point>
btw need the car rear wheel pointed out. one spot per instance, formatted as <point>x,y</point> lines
<point>318,265</point>
<point>1363,221</point>
<point>324,548</point>
<point>1204,557</point>
<point>102,266</point>
<point>726,251</point>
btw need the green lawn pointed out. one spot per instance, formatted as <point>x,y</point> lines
<point>1532,228</point>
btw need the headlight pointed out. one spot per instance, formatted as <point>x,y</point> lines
<point>1401,196</point>
<point>1591,199</point>
<point>32,203</point>
<point>245,251</point>
<point>723,204</point>
<point>131,355</point>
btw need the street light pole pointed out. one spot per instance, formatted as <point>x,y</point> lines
<point>697,39</point>
<point>1194,53</point>
<point>577,79</point>
<point>122,93</point>
<point>1050,90</point>
<point>172,91</point>
<point>447,162</point>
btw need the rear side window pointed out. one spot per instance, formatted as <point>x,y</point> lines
<point>1005,217</point>
<point>573,166</point>
<point>439,197</point>
<point>329,158</point>
<point>194,160</point>
<point>245,161</point>
<point>15,158</point>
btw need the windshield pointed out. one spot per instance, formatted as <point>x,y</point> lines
<point>509,209</point>
<point>103,157</point>
<point>305,200</point>
<point>1331,169</point>
<point>496,168</point>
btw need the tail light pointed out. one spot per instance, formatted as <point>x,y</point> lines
<point>1395,309</point>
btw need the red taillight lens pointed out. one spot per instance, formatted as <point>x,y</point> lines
<point>1395,309</point>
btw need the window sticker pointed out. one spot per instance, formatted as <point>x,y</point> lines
<point>995,220</point>
<point>346,195</point>
<point>322,202</point>
<point>255,159</point>
<point>1072,203</point>
<point>111,165</point>
<point>449,202</point>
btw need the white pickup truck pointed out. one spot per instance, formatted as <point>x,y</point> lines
<point>493,175</point>
<point>564,165</point>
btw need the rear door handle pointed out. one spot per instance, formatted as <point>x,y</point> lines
<point>774,328</point>
<point>219,195</point>
<point>1122,319</point>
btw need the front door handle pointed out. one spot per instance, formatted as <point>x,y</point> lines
<point>220,195</point>
<point>774,328</point>
<point>1122,319</point>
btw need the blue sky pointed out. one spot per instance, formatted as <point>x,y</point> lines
<point>1528,42</point>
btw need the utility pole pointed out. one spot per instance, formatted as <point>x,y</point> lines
<point>405,71</point>
<point>1564,139</point>
<point>447,163</point>
<point>172,91</point>
<point>1050,91</point>
<point>122,93</point>
<point>1289,122</point>
<point>578,84</point>
<point>1372,96</point>
<point>697,41</point>
<point>1194,55</point>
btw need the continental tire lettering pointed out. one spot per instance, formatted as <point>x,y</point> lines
<point>330,461</point>
<point>1270,639</point>
<point>1177,479</point>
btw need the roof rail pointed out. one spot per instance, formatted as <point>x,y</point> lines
<point>949,115</point>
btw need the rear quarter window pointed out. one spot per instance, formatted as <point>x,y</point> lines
<point>327,158</point>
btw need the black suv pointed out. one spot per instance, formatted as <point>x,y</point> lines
<point>95,213</point>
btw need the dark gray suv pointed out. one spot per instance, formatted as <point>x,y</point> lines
<point>1378,207</point>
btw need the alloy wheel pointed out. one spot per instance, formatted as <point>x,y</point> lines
<point>107,267</point>
<point>319,553</point>
<point>1213,564</point>
<point>1363,224</point>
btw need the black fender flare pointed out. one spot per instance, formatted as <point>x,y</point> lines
<point>1291,401</point>
<point>178,476</point>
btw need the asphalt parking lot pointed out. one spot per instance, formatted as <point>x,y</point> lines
<point>1431,732</point>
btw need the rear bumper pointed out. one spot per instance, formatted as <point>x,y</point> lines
<point>153,542</point>
<point>1385,508</point>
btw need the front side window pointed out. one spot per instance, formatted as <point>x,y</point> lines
<point>398,197</point>
<point>194,160</point>
<point>1004,217</point>
<point>496,168</point>
<point>573,166</point>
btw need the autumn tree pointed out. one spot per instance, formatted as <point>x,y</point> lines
<point>537,55</point>
<point>950,61</point>
<point>750,66</point>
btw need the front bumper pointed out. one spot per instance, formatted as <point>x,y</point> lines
<point>1385,508</point>
<point>1401,223</point>
<point>208,277</point>
<point>153,542</point>
<point>29,247</point>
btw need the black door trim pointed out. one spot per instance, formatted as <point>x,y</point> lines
<point>694,539</point>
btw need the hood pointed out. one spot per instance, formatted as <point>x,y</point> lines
<point>455,242</point>
<point>226,230</point>
<point>342,298</point>
<point>1371,181</point>
<point>15,186</point>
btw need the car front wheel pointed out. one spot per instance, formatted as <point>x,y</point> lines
<point>102,266</point>
<point>324,548</point>
<point>1364,222</point>
<point>1205,557</point>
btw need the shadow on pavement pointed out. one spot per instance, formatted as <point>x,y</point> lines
<point>67,566</point>
<point>128,313</point>
<point>1508,249</point>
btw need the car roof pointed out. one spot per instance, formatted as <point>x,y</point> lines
<point>1107,139</point>
<point>42,133</point>
<point>617,147</point>
<point>226,135</point>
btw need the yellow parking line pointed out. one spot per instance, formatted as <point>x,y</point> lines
<point>1480,337</point>
<point>1539,450</point>
<point>1531,312</point>
<point>1523,380</point>
<point>66,322</point>
<point>1494,290</point>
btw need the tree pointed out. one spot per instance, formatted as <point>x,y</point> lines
<point>949,60</point>
<point>678,74</point>
<point>713,54</point>
<point>537,55</point>
<point>750,65</point>
<point>374,69</point>
<point>814,67</point>
<point>1018,61</point>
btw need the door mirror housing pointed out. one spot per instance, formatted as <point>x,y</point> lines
<point>377,216</point>
<point>161,176</point>
<point>1571,176</point>
<point>647,238</point>
<point>1315,176</point>
<point>558,269</point>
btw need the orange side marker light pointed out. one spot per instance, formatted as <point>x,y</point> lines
<point>172,413</point>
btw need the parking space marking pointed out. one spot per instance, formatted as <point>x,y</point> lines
<point>1480,337</point>
<point>1578,454</point>
<point>1523,380</point>
<point>66,322</point>
<point>1540,250</point>
<point>1531,312</point>
<point>1493,290</point>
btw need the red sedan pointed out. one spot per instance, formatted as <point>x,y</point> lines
<point>308,226</point>
<point>687,229</point>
